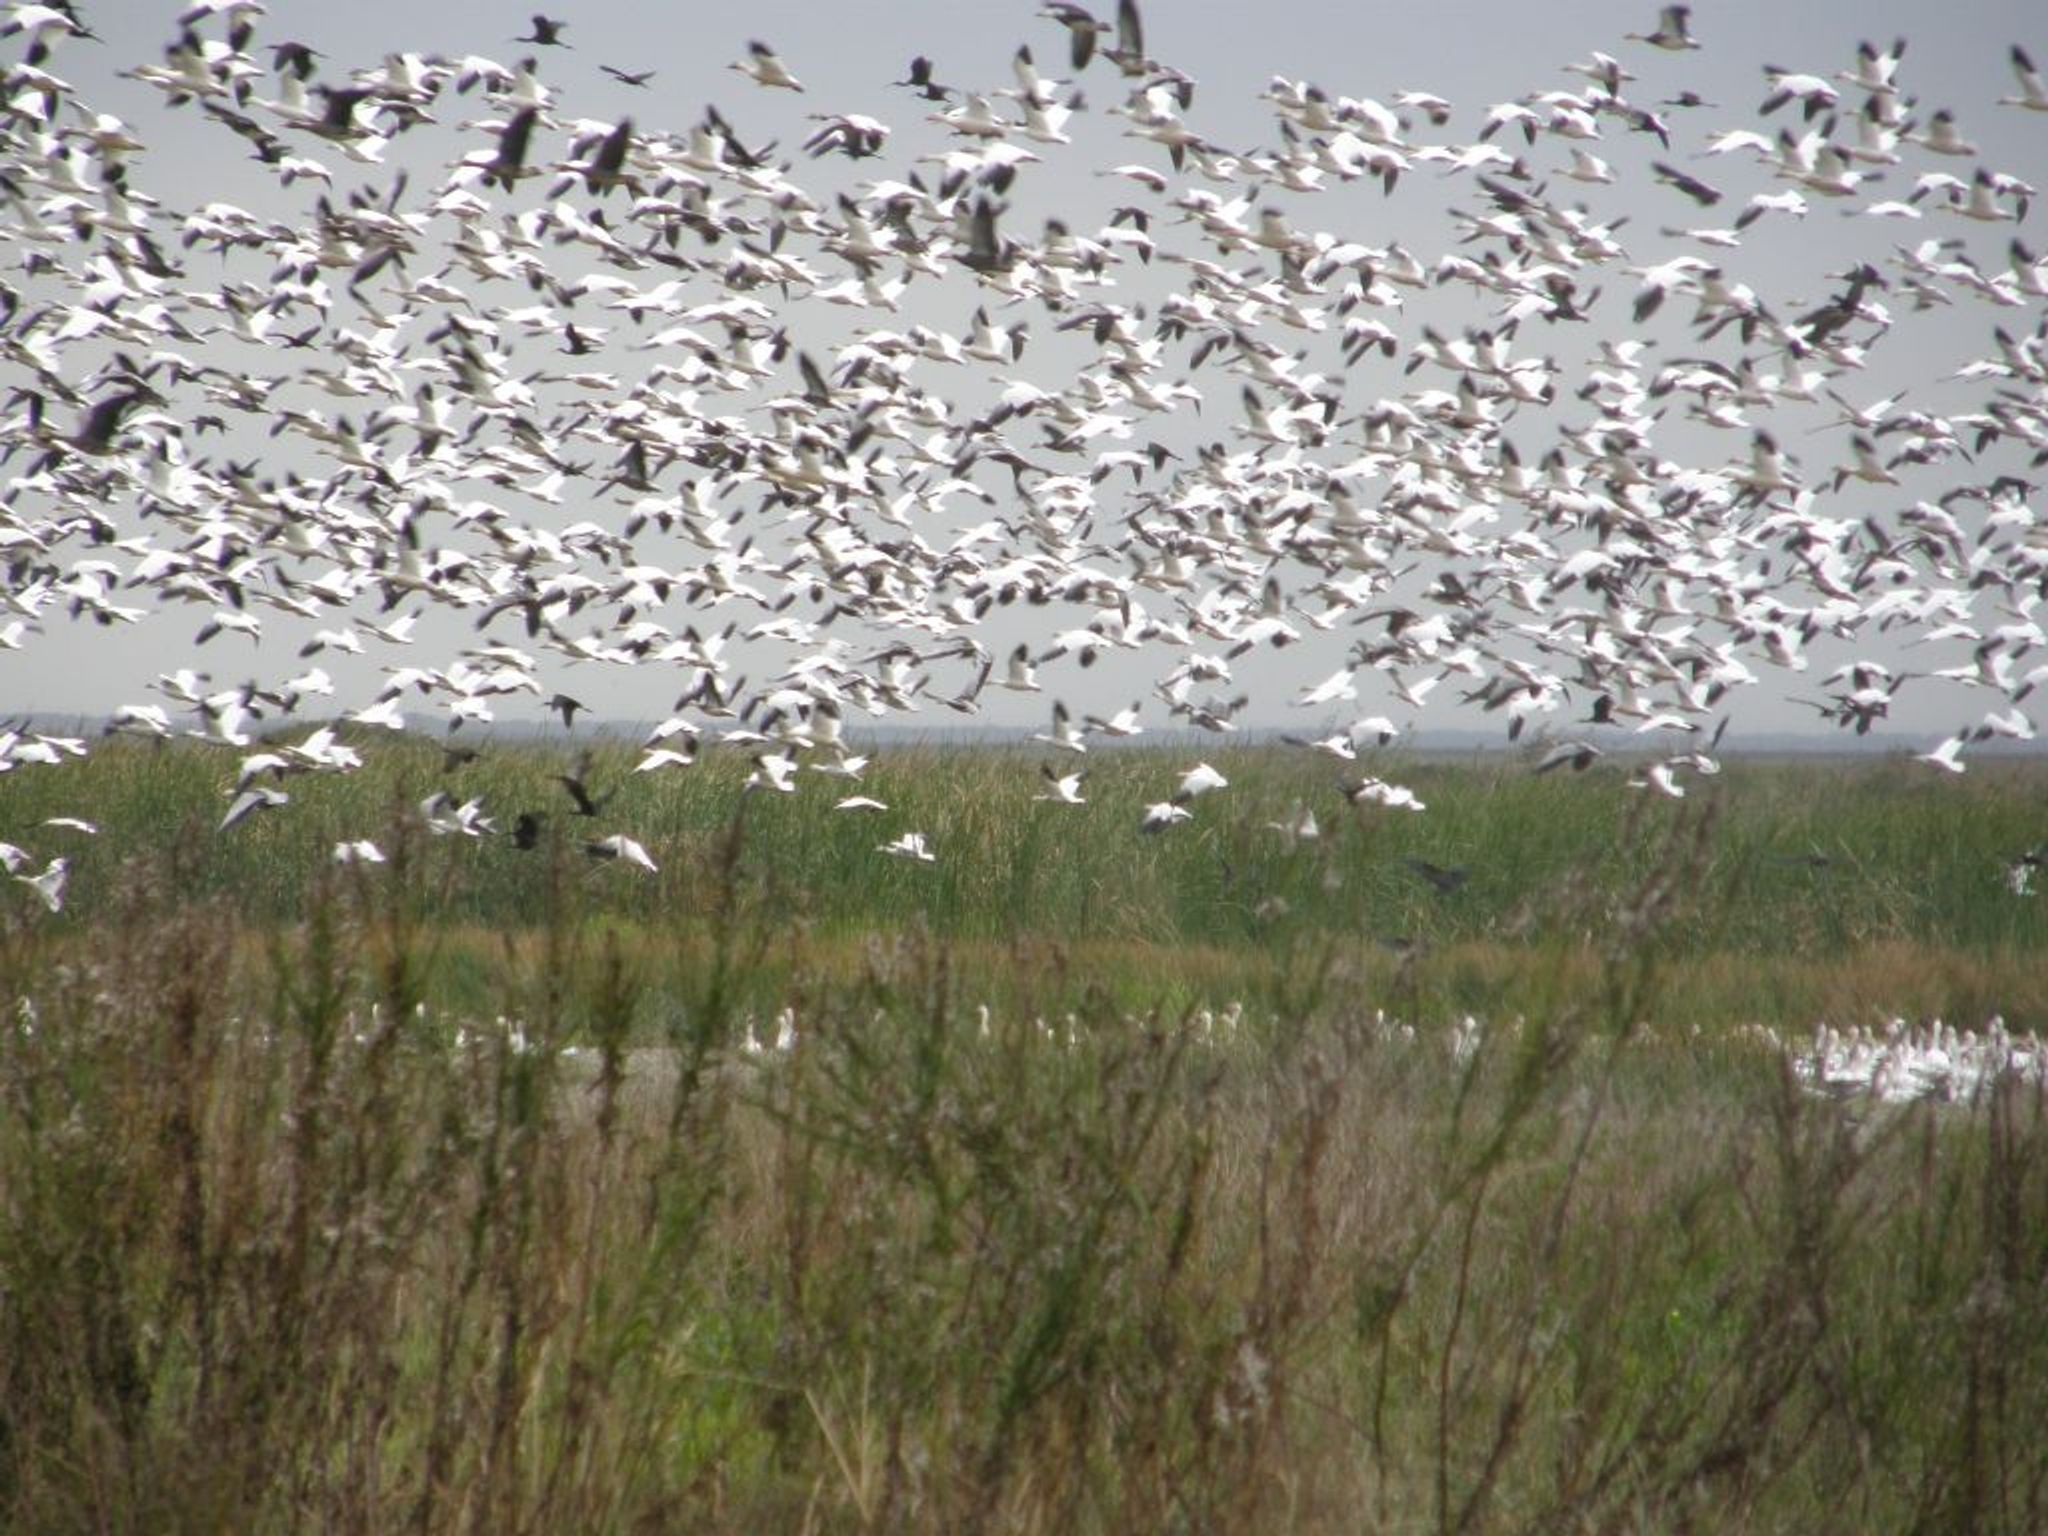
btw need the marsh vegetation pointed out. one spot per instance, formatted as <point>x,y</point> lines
<point>1090,1182</point>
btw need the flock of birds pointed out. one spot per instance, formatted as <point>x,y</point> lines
<point>818,433</point>
<point>1905,1063</point>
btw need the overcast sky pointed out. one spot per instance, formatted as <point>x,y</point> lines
<point>847,56</point>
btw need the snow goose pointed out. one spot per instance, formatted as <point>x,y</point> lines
<point>49,885</point>
<point>623,849</point>
<point>1163,814</point>
<point>764,66</point>
<point>1198,781</point>
<point>911,845</point>
<point>1673,33</point>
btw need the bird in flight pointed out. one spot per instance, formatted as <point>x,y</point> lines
<point>546,33</point>
<point>622,849</point>
<point>50,883</point>
<point>764,66</point>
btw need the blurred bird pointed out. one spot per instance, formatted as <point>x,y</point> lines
<point>49,885</point>
<point>1445,880</point>
<point>622,848</point>
<point>764,67</point>
<point>1163,814</point>
<point>910,845</point>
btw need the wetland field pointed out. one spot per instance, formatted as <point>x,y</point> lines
<point>1449,1170</point>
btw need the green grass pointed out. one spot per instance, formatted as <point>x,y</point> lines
<point>1850,890</point>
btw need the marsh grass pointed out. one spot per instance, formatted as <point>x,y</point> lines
<point>1853,891</point>
<point>286,1243</point>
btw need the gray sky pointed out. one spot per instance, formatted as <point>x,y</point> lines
<point>1474,55</point>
